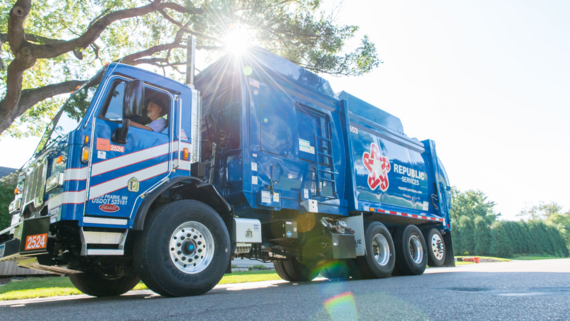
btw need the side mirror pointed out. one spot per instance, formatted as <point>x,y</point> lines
<point>133,101</point>
<point>133,105</point>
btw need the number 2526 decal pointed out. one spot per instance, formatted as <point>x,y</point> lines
<point>34,242</point>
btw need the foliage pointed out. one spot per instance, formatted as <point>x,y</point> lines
<point>540,211</point>
<point>297,30</point>
<point>482,236</point>
<point>500,241</point>
<point>7,187</point>
<point>473,204</point>
<point>467,233</point>
<point>456,239</point>
<point>562,223</point>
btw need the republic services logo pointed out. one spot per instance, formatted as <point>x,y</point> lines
<point>378,167</point>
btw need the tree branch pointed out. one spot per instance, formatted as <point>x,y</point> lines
<point>94,30</point>
<point>30,97</point>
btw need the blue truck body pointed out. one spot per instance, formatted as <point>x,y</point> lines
<point>278,115</point>
<point>261,144</point>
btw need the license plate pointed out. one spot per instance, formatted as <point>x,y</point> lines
<point>2,247</point>
<point>35,242</point>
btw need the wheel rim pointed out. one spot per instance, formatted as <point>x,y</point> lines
<point>381,249</point>
<point>416,249</point>
<point>437,246</point>
<point>191,247</point>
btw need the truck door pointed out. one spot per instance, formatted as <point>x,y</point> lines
<point>120,173</point>
<point>316,147</point>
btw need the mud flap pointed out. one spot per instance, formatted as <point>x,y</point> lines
<point>449,256</point>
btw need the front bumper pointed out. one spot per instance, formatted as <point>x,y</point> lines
<point>30,239</point>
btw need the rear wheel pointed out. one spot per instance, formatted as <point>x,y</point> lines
<point>436,247</point>
<point>294,271</point>
<point>380,258</point>
<point>184,249</point>
<point>102,282</point>
<point>411,250</point>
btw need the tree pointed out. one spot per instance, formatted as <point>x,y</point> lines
<point>7,186</point>
<point>467,240</point>
<point>456,238</point>
<point>482,236</point>
<point>473,204</point>
<point>541,211</point>
<point>51,47</point>
<point>562,224</point>
<point>500,242</point>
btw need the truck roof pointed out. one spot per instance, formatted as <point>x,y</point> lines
<point>264,63</point>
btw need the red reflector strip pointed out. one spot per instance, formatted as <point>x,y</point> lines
<point>423,217</point>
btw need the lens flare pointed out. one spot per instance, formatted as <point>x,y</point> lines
<point>342,307</point>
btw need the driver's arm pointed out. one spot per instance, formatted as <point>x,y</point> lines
<point>137,125</point>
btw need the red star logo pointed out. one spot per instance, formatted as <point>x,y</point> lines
<point>378,167</point>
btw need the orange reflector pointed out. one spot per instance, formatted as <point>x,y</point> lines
<point>185,153</point>
<point>16,191</point>
<point>59,159</point>
<point>85,154</point>
<point>106,64</point>
<point>86,139</point>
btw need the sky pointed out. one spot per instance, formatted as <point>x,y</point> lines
<point>488,81</point>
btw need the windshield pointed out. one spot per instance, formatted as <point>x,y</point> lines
<point>71,113</point>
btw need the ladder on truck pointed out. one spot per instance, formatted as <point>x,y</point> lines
<point>324,163</point>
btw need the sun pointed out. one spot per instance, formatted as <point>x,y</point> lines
<point>237,40</point>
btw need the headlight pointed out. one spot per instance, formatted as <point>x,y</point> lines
<point>15,205</point>
<point>54,181</point>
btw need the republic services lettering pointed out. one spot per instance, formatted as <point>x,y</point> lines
<point>409,172</point>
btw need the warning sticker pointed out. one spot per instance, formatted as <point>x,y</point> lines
<point>305,146</point>
<point>265,197</point>
<point>254,180</point>
<point>254,167</point>
<point>183,135</point>
<point>276,197</point>
<point>425,206</point>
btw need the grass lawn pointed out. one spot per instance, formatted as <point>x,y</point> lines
<point>463,263</point>
<point>532,258</point>
<point>58,286</point>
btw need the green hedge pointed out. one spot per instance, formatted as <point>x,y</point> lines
<point>507,238</point>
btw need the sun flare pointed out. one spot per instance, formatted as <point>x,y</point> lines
<point>237,40</point>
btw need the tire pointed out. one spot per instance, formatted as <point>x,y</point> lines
<point>411,250</point>
<point>294,271</point>
<point>436,247</point>
<point>183,250</point>
<point>96,283</point>
<point>380,257</point>
<point>280,269</point>
<point>299,272</point>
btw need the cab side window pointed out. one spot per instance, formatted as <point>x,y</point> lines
<point>113,108</point>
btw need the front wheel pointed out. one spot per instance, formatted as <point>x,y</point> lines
<point>99,282</point>
<point>184,249</point>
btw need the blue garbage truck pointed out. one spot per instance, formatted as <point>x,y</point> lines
<point>140,177</point>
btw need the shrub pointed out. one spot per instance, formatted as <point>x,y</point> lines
<point>482,236</point>
<point>500,241</point>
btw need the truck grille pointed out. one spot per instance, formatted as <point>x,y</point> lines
<point>35,183</point>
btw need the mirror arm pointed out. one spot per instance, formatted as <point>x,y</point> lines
<point>120,134</point>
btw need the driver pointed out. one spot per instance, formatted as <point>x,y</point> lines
<point>155,110</point>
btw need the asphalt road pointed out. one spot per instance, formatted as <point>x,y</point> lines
<point>519,290</point>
